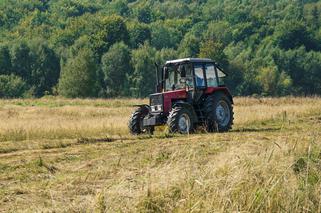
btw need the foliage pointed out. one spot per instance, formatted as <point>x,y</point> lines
<point>214,50</point>
<point>246,37</point>
<point>11,86</point>
<point>143,63</point>
<point>138,33</point>
<point>5,60</point>
<point>273,82</point>
<point>116,68</point>
<point>78,78</point>
<point>110,29</point>
<point>46,70</point>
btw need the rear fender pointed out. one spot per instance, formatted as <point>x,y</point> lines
<point>223,90</point>
<point>228,94</point>
<point>189,107</point>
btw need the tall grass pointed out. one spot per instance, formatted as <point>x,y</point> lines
<point>69,119</point>
<point>77,155</point>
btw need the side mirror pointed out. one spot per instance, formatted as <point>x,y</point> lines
<point>182,71</point>
<point>166,73</point>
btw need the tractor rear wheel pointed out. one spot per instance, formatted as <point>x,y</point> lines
<point>219,113</point>
<point>135,123</point>
<point>180,120</point>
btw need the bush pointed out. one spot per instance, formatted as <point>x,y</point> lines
<point>11,86</point>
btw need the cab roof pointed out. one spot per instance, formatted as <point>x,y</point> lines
<point>192,60</point>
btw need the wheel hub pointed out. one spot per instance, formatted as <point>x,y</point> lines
<point>184,123</point>
<point>222,113</point>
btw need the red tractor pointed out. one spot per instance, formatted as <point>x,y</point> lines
<point>190,93</point>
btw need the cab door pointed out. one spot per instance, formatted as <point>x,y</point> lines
<point>199,81</point>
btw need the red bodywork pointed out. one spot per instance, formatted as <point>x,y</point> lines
<point>171,96</point>
<point>226,91</point>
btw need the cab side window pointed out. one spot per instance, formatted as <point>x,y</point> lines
<point>221,76</point>
<point>199,75</point>
<point>189,75</point>
<point>211,76</point>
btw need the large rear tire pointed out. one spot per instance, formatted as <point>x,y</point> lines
<point>180,120</point>
<point>135,123</point>
<point>219,113</point>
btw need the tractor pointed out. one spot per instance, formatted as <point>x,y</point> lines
<point>190,93</point>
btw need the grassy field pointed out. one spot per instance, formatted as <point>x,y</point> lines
<point>77,156</point>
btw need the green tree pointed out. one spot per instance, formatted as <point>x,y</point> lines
<point>22,60</point>
<point>164,55</point>
<point>303,68</point>
<point>5,60</point>
<point>12,86</point>
<point>138,34</point>
<point>46,70</point>
<point>144,71</point>
<point>291,35</point>
<point>274,82</point>
<point>119,7</point>
<point>242,31</point>
<point>189,47</point>
<point>283,35</point>
<point>79,76</point>
<point>214,50</point>
<point>311,67</point>
<point>219,31</point>
<point>235,77</point>
<point>163,36</point>
<point>144,14</point>
<point>110,30</point>
<point>174,9</point>
<point>116,68</point>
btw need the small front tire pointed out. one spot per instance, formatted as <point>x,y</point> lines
<point>135,123</point>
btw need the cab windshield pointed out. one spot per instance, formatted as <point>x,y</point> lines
<point>175,81</point>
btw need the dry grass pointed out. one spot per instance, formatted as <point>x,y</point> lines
<point>77,156</point>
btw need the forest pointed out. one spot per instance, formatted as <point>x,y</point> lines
<point>107,49</point>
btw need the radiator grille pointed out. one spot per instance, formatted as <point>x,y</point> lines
<point>156,99</point>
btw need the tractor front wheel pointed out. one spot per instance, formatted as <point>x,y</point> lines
<point>135,123</point>
<point>180,120</point>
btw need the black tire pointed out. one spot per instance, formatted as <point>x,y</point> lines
<point>135,123</point>
<point>216,119</point>
<point>176,116</point>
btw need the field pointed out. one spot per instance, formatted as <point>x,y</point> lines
<point>77,155</point>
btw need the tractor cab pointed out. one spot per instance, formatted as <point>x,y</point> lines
<point>191,74</point>
<point>191,87</point>
<point>194,75</point>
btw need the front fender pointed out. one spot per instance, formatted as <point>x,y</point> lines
<point>141,105</point>
<point>144,106</point>
<point>189,107</point>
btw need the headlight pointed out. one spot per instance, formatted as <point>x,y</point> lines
<point>157,108</point>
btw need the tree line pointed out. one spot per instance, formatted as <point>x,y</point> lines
<point>101,48</point>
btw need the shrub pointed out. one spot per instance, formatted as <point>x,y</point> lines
<point>11,86</point>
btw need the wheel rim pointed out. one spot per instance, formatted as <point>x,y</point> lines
<point>184,123</point>
<point>223,114</point>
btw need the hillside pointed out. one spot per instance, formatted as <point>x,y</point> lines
<point>83,48</point>
<point>61,155</point>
